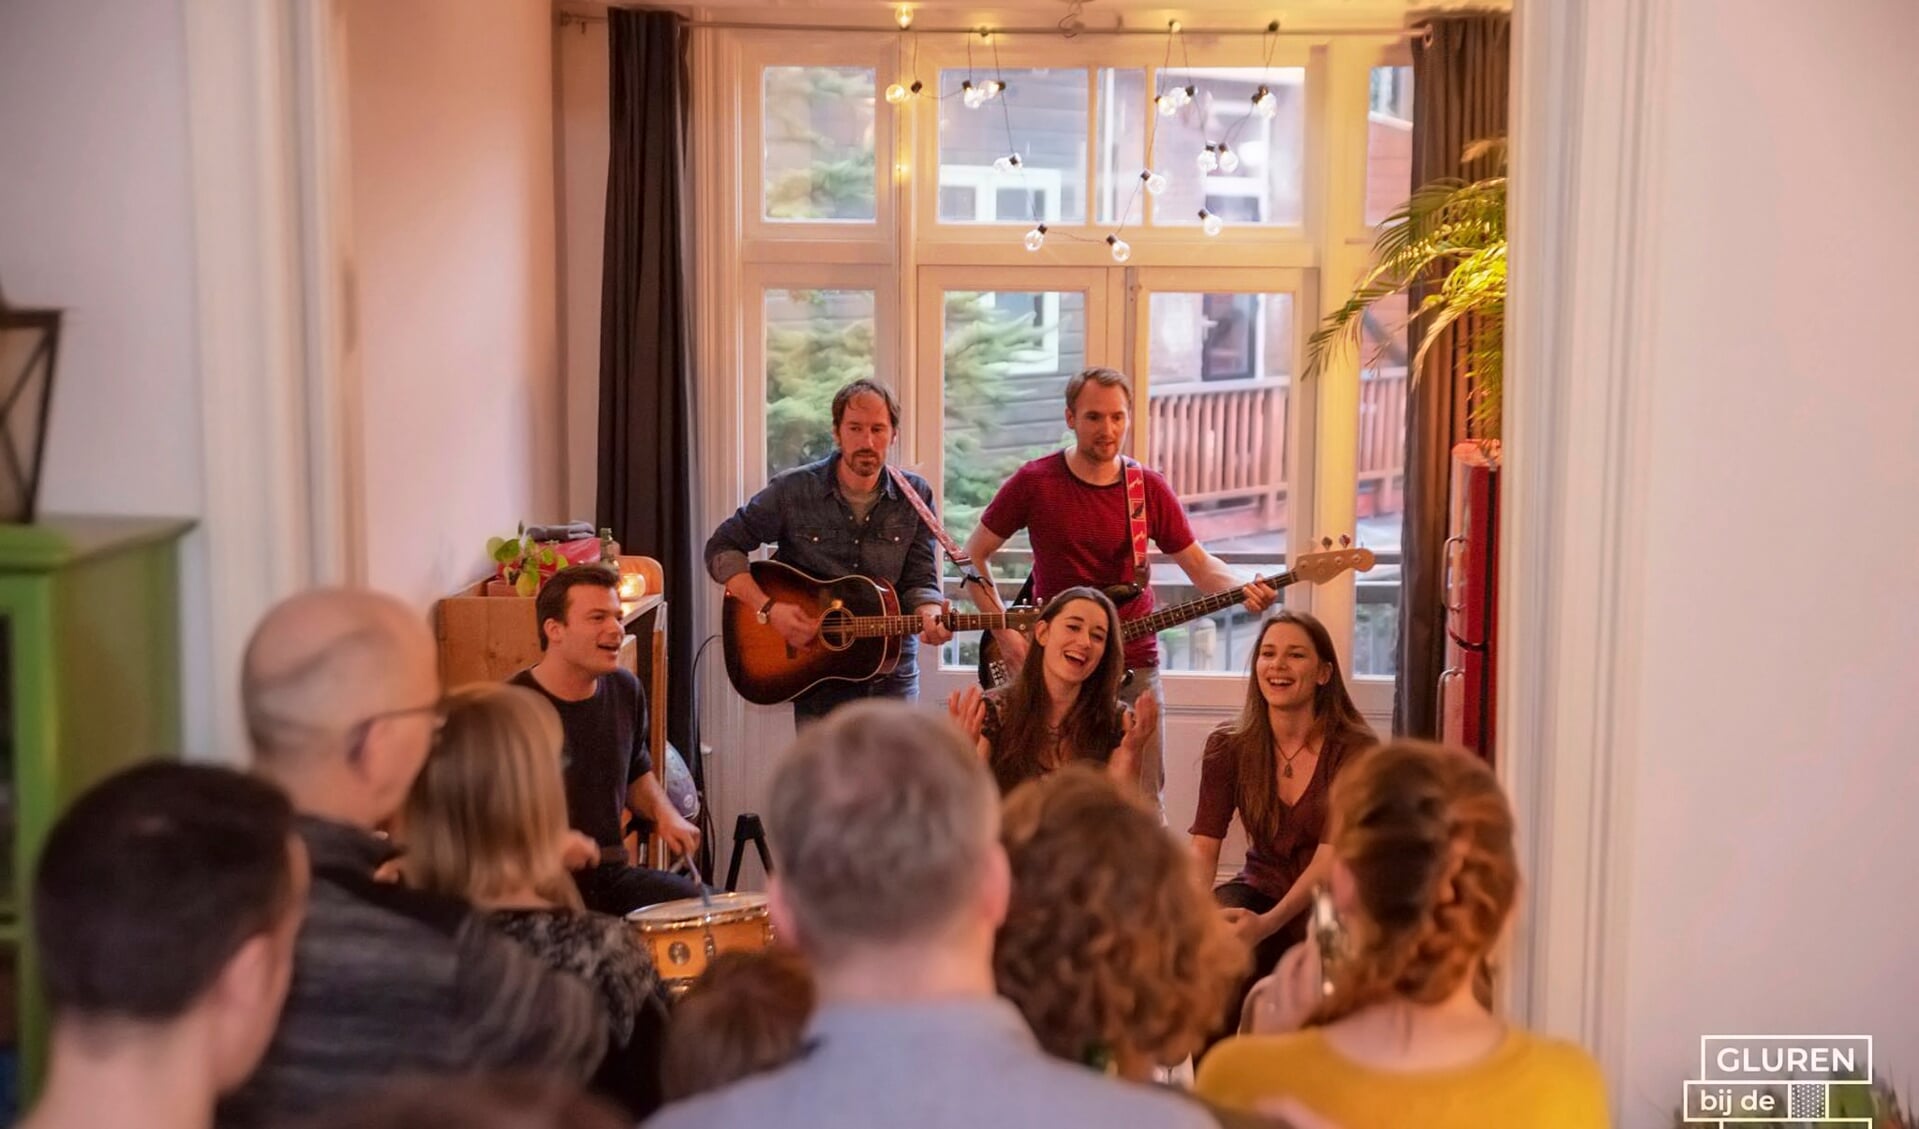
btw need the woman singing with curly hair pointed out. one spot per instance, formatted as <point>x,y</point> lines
<point>1423,880</point>
<point>1064,703</point>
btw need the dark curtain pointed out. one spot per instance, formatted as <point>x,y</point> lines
<point>1461,71</point>
<point>646,383</point>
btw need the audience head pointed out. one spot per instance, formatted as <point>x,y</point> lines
<point>169,897</point>
<point>1111,947</point>
<point>1294,667</point>
<point>745,1014</point>
<point>1424,872</point>
<point>886,828</point>
<point>866,420</point>
<point>579,613</point>
<point>487,815</point>
<point>341,690</point>
<point>1077,643</point>
<point>510,1101</point>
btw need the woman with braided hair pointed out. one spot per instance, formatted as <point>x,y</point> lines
<point>1423,880</point>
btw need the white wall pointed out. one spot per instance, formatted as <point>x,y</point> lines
<point>451,106</point>
<point>1773,883</point>
<point>580,54</point>
<point>96,180</point>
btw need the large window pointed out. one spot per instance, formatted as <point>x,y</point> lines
<point>978,249</point>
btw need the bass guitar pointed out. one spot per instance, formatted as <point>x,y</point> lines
<point>1312,568</point>
<point>859,637</point>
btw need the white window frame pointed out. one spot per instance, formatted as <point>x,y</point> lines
<point>1330,243</point>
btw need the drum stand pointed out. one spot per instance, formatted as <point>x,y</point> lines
<point>747,829</point>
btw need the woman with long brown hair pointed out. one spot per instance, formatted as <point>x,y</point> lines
<point>1064,704</point>
<point>1271,767</point>
<point>486,823</point>
<point>1423,880</point>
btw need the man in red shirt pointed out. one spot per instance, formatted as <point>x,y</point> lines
<point>1074,505</point>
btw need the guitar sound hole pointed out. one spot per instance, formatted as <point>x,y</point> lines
<point>836,630</point>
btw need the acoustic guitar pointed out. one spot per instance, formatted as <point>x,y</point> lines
<point>1313,568</point>
<point>859,637</point>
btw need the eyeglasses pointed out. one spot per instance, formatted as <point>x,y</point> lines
<point>358,732</point>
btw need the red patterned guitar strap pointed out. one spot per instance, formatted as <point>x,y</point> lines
<point>953,552</point>
<point>1136,516</point>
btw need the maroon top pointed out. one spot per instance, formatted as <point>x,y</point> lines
<point>1274,864</point>
<point>1081,534</point>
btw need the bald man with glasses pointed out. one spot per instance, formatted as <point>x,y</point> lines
<point>341,692</point>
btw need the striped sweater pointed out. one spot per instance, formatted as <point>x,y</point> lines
<point>389,981</point>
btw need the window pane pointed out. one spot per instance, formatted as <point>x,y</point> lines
<point>1006,358</point>
<point>1043,120</point>
<point>1382,448</point>
<point>819,143</point>
<point>1389,142</point>
<point>1267,154</point>
<point>1122,144</point>
<point>816,340</point>
<point>1220,374</point>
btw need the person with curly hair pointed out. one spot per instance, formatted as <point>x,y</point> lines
<point>1064,705</point>
<point>1111,950</point>
<point>1423,879</point>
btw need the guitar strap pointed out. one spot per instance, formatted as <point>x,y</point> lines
<point>954,553</point>
<point>1136,516</point>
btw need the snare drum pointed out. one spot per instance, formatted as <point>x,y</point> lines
<point>684,935</point>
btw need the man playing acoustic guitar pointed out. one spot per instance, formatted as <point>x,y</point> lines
<point>845,514</point>
<point>1085,531</point>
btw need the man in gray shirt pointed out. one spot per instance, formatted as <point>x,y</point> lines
<point>893,883</point>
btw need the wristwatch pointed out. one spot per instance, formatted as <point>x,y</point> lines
<point>766,611</point>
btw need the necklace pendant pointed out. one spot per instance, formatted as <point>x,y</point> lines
<point>1288,772</point>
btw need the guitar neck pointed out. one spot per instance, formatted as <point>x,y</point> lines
<point>869,626</point>
<point>1193,609</point>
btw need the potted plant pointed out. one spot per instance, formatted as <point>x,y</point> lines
<point>524,564</point>
<point>1451,236</point>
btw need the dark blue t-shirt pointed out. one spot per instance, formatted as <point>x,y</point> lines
<point>604,753</point>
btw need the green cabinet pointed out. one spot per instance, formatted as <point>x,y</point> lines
<point>89,682</point>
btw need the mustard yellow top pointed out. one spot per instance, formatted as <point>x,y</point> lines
<point>1529,1082</point>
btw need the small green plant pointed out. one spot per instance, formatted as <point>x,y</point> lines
<point>524,562</point>
<point>1450,236</point>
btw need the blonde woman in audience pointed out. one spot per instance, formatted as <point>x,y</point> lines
<point>1423,878</point>
<point>486,822</point>
<point>743,1016</point>
<point>1063,705</point>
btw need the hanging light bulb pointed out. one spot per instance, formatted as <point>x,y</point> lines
<point>972,96</point>
<point>1209,223</point>
<point>1228,160</point>
<point>1207,160</point>
<point>1167,107</point>
<point>1122,250</point>
<point>1036,238</point>
<point>1264,104</point>
<point>1155,182</point>
<point>896,94</point>
<point>1007,163</point>
<point>903,15</point>
<point>990,89</point>
<point>1187,94</point>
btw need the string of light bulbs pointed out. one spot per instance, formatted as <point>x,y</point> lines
<point>1214,156</point>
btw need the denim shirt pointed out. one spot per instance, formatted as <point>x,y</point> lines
<point>801,511</point>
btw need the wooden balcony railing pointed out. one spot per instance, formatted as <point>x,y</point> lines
<point>1226,442</point>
